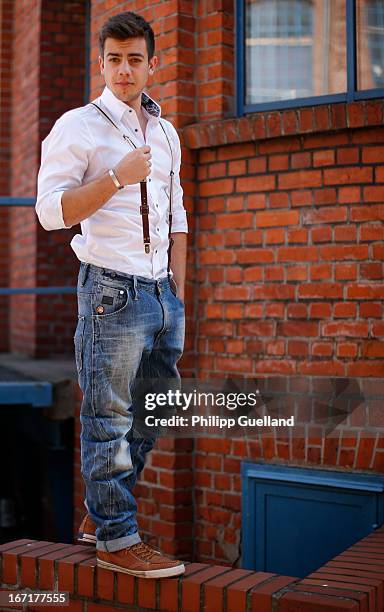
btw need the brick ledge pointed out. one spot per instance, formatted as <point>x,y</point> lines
<point>289,122</point>
<point>353,580</point>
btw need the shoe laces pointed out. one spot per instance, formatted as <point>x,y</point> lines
<point>142,550</point>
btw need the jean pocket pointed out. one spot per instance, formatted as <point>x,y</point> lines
<point>173,288</point>
<point>108,300</point>
<point>79,342</point>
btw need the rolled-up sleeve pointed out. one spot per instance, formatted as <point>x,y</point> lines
<point>64,161</point>
<point>179,215</point>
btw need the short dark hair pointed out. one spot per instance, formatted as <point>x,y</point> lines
<point>127,25</point>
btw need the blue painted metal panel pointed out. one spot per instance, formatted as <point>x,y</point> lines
<point>295,520</point>
<point>36,290</point>
<point>14,201</point>
<point>37,394</point>
<point>341,480</point>
<point>309,524</point>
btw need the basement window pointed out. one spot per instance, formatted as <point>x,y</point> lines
<point>295,519</point>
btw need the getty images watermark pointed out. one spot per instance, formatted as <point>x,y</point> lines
<point>191,407</point>
<point>202,400</point>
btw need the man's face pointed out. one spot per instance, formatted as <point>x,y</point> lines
<point>126,67</point>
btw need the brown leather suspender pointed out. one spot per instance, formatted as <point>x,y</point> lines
<point>144,208</point>
<point>171,175</point>
<point>144,211</point>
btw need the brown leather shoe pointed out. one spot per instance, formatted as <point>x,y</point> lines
<point>140,560</point>
<point>87,530</point>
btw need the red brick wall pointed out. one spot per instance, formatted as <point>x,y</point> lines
<point>278,199</point>
<point>24,159</point>
<point>6,13</point>
<point>215,69</point>
<point>61,87</point>
<point>282,207</point>
<point>289,239</point>
<point>290,269</point>
<point>48,51</point>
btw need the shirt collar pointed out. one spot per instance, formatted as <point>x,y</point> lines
<point>150,105</point>
<point>117,108</point>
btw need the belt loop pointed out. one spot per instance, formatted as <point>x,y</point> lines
<point>135,295</point>
<point>84,275</point>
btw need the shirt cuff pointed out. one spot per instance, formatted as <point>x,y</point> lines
<point>179,222</point>
<point>53,214</point>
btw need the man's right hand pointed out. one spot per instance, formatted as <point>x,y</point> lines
<point>134,167</point>
<point>81,202</point>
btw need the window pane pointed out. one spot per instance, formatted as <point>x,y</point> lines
<point>370,44</point>
<point>294,49</point>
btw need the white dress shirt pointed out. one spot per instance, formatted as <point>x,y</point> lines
<point>80,148</point>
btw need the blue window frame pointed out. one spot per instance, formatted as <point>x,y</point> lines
<point>284,33</point>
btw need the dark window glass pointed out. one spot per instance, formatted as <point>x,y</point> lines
<point>294,49</point>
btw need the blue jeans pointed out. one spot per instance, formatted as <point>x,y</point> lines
<point>129,327</point>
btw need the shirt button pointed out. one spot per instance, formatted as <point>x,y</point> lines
<point>156,251</point>
<point>136,130</point>
<point>149,180</point>
<point>157,206</point>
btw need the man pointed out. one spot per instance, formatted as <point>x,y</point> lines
<point>131,312</point>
